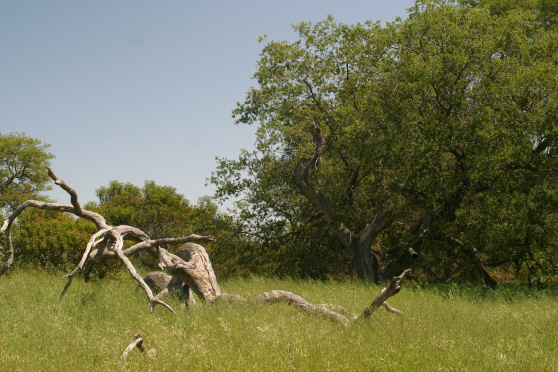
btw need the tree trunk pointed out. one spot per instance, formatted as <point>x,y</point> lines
<point>360,245</point>
<point>365,263</point>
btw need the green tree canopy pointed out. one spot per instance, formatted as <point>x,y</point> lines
<point>157,210</point>
<point>431,138</point>
<point>23,173</point>
<point>50,239</point>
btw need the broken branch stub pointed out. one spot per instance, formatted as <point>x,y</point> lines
<point>138,342</point>
<point>393,289</point>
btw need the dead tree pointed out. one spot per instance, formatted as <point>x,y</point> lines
<point>190,267</point>
<point>164,284</point>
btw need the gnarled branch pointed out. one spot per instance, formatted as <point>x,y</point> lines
<point>190,264</point>
<point>138,342</point>
<point>275,296</point>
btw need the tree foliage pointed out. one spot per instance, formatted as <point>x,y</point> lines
<point>23,175</point>
<point>442,124</point>
<point>50,240</point>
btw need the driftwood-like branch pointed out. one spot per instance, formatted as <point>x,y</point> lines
<point>292,299</point>
<point>275,296</point>
<point>73,194</point>
<point>110,238</point>
<point>155,243</point>
<point>392,309</point>
<point>10,258</point>
<point>192,265</point>
<point>138,342</point>
<point>392,290</point>
<point>152,299</point>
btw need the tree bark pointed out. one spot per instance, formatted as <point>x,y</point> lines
<point>276,296</point>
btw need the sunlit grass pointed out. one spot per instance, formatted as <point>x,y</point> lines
<point>445,328</point>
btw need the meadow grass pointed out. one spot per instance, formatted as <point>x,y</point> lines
<point>445,328</point>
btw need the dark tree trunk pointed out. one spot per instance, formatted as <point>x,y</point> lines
<point>365,263</point>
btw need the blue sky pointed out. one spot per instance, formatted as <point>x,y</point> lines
<point>143,90</point>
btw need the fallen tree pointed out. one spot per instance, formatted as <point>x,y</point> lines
<point>189,268</point>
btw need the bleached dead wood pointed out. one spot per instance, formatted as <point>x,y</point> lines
<point>164,284</point>
<point>393,289</point>
<point>157,281</point>
<point>138,342</point>
<point>190,267</point>
<point>109,238</point>
<point>292,299</point>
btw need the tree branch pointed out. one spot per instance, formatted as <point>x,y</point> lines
<point>138,342</point>
<point>392,290</point>
<point>381,221</point>
<point>301,176</point>
<point>276,296</point>
<point>73,194</point>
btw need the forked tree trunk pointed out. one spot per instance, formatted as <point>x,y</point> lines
<point>365,263</point>
<point>359,244</point>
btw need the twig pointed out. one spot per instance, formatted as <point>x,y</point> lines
<point>138,342</point>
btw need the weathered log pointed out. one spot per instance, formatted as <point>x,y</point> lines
<point>229,297</point>
<point>201,279</point>
<point>157,280</point>
<point>275,296</point>
<point>292,299</point>
<point>190,267</point>
<point>393,289</point>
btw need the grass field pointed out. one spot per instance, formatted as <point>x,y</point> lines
<point>446,328</point>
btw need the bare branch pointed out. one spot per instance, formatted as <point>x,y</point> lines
<point>96,218</point>
<point>152,300</point>
<point>10,258</point>
<point>73,194</point>
<point>275,296</point>
<point>154,243</point>
<point>138,342</point>
<point>392,309</point>
<point>92,242</point>
<point>392,290</point>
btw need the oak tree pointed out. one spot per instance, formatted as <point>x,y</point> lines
<point>400,136</point>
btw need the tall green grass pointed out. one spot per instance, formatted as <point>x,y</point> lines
<point>445,328</point>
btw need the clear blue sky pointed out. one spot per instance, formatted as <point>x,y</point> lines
<point>143,90</point>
